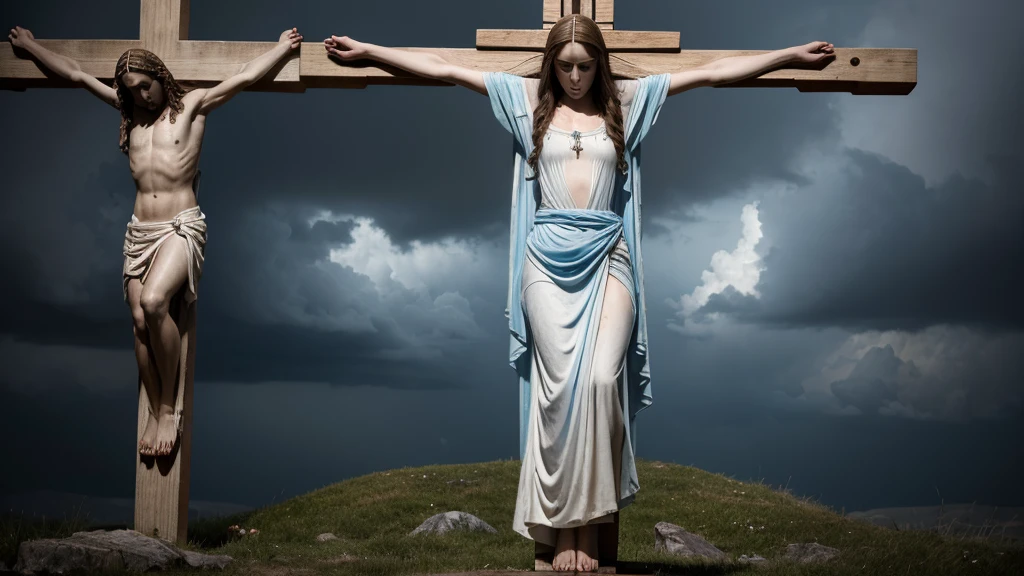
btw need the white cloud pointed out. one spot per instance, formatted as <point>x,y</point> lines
<point>740,269</point>
<point>357,280</point>
<point>424,267</point>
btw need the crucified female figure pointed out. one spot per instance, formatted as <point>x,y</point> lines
<point>162,127</point>
<point>576,301</point>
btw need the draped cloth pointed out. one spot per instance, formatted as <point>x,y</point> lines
<point>571,248</point>
<point>142,242</point>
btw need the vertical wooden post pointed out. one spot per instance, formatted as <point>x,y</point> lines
<point>600,11</point>
<point>162,483</point>
<point>162,24</point>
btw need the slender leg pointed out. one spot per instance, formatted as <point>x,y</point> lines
<point>613,336</point>
<point>168,273</point>
<point>147,368</point>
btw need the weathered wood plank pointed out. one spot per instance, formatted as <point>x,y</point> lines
<point>18,70</point>
<point>879,70</point>
<point>162,23</point>
<point>601,11</point>
<point>615,40</point>
<point>552,12</point>
<point>604,12</point>
<point>316,65</point>
<point>199,63</point>
<point>213,61</point>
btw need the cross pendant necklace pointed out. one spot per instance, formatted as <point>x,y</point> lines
<point>576,147</point>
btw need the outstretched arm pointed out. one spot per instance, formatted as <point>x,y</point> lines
<point>63,66</point>
<point>252,71</point>
<point>424,64</point>
<point>736,68</point>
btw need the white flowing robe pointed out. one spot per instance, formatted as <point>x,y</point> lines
<point>577,449</point>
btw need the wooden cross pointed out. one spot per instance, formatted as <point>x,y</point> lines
<point>164,31</point>
<point>161,504</point>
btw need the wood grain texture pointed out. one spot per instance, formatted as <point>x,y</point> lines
<point>97,57</point>
<point>162,23</point>
<point>615,40</point>
<point>604,12</point>
<point>552,11</point>
<point>880,70</point>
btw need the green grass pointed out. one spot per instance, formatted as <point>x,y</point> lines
<point>372,516</point>
<point>16,528</point>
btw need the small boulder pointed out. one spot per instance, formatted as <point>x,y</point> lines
<point>810,552</point>
<point>448,521</point>
<point>100,550</point>
<point>751,559</point>
<point>677,541</point>
<point>326,537</point>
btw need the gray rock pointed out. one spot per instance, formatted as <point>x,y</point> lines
<point>326,537</point>
<point>448,521</point>
<point>751,559</point>
<point>114,550</point>
<point>206,561</point>
<point>810,552</point>
<point>675,540</point>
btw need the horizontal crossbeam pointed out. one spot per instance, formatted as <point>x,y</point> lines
<point>615,40</point>
<point>854,70</point>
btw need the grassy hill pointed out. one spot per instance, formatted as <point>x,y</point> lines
<point>372,516</point>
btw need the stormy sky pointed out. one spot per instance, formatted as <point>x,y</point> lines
<point>832,280</point>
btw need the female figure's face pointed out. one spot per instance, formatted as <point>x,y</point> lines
<point>147,91</point>
<point>576,69</point>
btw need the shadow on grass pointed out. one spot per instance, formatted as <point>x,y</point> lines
<point>208,533</point>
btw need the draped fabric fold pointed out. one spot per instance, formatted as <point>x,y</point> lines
<point>571,247</point>
<point>143,240</point>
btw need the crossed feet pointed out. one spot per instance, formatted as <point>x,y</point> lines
<point>161,434</point>
<point>576,550</point>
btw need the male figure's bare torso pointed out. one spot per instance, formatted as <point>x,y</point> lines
<point>164,159</point>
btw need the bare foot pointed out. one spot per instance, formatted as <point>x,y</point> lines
<point>565,551</point>
<point>167,433</point>
<point>147,445</point>
<point>586,548</point>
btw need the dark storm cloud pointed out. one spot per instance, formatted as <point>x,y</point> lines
<point>875,248</point>
<point>714,143</point>
<point>909,214</point>
<point>430,165</point>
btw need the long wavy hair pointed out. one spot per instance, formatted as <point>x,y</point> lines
<point>604,92</point>
<point>144,61</point>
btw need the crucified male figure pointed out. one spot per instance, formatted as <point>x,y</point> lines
<point>162,127</point>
